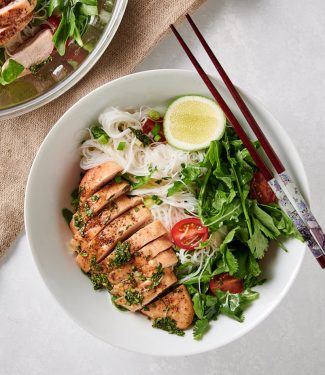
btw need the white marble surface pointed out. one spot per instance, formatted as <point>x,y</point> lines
<point>275,50</point>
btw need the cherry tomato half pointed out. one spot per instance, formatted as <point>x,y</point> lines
<point>260,189</point>
<point>189,233</point>
<point>150,124</point>
<point>226,283</point>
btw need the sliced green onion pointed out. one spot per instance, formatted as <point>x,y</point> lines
<point>157,138</point>
<point>121,146</point>
<point>154,115</point>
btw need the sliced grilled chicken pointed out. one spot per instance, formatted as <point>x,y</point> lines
<point>15,10</point>
<point>176,305</point>
<point>97,177</point>
<point>111,212</point>
<point>90,207</point>
<point>8,33</point>
<point>155,247</point>
<point>118,230</point>
<point>34,51</point>
<point>135,299</point>
<point>142,264</point>
<point>143,237</point>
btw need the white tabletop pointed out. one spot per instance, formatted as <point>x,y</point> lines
<point>275,50</point>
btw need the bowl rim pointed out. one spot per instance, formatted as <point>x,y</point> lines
<point>65,85</point>
<point>27,209</point>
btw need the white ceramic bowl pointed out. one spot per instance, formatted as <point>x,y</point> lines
<point>55,173</point>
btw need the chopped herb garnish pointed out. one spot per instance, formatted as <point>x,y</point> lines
<point>67,214</point>
<point>95,198</point>
<point>154,115</point>
<point>157,138</point>
<point>122,254</point>
<point>34,69</point>
<point>114,298</point>
<point>169,325</point>
<point>144,139</point>
<point>133,297</point>
<point>117,179</point>
<point>83,253</point>
<point>88,210</point>
<point>121,146</point>
<point>156,276</point>
<point>79,223</point>
<point>145,308</point>
<point>95,267</point>
<point>99,134</point>
<point>75,196</point>
<point>136,209</point>
<point>100,281</point>
<point>131,280</point>
<point>156,199</point>
<point>113,206</point>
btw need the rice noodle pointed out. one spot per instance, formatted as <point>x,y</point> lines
<point>199,259</point>
<point>163,161</point>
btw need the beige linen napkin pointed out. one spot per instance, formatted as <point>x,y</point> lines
<point>143,25</point>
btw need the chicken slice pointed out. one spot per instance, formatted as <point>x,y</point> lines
<point>34,51</point>
<point>141,263</point>
<point>176,305</point>
<point>155,247</point>
<point>110,213</point>
<point>141,238</point>
<point>118,230</point>
<point>96,177</point>
<point>94,204</point>
<point>15,10</point>
<point>135,299</point>
<point>8,33</point>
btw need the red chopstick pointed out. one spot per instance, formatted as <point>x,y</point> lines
<point>230,116</point>
<point>293,192</point>
<point>278,166</point>
<point>306,231</point>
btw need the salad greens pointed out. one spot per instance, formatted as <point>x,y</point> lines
<point>75,16</point>
<point>221,184</point>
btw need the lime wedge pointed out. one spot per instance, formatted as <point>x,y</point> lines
<point>192,122</point>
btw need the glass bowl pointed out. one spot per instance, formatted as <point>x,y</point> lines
<point>31,92</point>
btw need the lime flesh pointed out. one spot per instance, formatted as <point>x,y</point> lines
<point>192,122</point>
